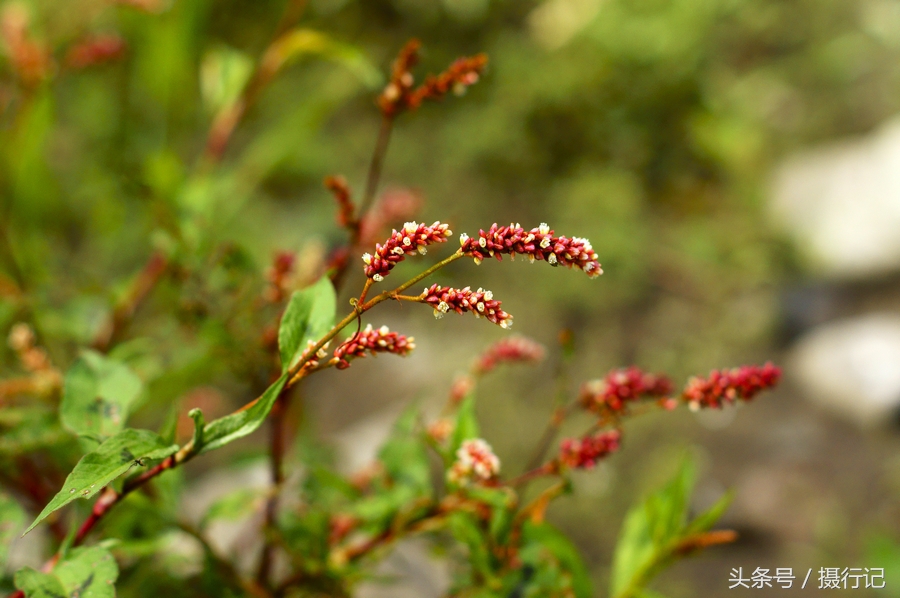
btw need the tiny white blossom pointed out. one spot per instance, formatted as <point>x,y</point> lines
<point>545,242</point>
<point>410,227</point>
<point>463,238</point>
<point>378,278</point>
<point>551,259</point>
<point>482,241</point>
<point>544,229</point>
<point>384,330</point>
<point>367,258</point>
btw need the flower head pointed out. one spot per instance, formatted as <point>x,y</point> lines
<point>728,386</point>
<point>537,244</point>
<point>480,302</point>
<point>620,387</point>
<point>583,453</point>
<point>371,341</point>
<point>410,240</point>
<point>508,350</point>
<point>475,460</point>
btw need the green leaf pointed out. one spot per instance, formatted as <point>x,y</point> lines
<point>115,457</point>
<point>308,317</point>
<point>564,552</point>
<point>223,74</point>
<point>39,585</point>
<point>466,424</point>
<point>85,572</point>
<point>235,505</point>
<point>99,393</point>
<point>88,573</point>
<point>652,532</point>
<point>299,42</point>
<point>12,519</point>
<point>404,455</point>
<point>220,432</point>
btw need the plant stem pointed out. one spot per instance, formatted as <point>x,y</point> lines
<point>276,463</point>
<point>375,166</point>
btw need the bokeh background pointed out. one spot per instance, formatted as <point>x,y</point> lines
<point>732,161</point>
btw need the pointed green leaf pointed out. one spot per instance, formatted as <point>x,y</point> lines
<point>39,585</point>
<point>220,432</point>
<point>705,521</point>
<point>99,393</point>
<point>300,42</point>
<point>564,552</point>
<point>88,573</point>
<point>308,317</point>
<point>84,572</point>
<point>12,519</point>
<point>235,505</point>
<point>107,462</point>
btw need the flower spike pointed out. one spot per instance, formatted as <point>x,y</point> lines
<point>480,302</point>
<point>537,244</point>
<point>413,238</point>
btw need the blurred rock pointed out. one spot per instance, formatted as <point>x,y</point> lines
<point>852,367</point>
<point>841,203</point>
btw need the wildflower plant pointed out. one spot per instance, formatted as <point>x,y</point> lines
<point>438,478</point>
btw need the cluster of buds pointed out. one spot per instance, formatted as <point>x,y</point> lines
<point>33,358</point>
<point>480,302</point>
<point>463,73</point>
<point>509,350</point>
<point>475,460</point>
<point>399,94</point>
<point>95,50</point>
<point>537,244</point>
<point>373,341</point>
<point>411,239</point>
<point>583,453</point>
<point>321,354</point>
<point>346,216</point>
<point>620,387</point>
<point>279,276</point>
<point>728,386</point>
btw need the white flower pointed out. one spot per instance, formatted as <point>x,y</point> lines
<point>463,238</point>
<point>367,258</point>
<point>544,229</point>
<point>378,278</point>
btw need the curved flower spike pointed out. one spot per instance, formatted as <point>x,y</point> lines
<point>728,386</point>
<point>480,302</point>
<point>411,239</point>
<point>371,341</point>
<point>537,244</point>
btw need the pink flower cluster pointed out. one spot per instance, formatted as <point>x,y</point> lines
<point>373,341</point>
<point>412,238</point>
<point>621,387</point>
<point>475,460</point>
<point>537,244</point>
<point>583,453</point>
<point>507,350</point>
<point>727,386</point>
<point>480,302</point>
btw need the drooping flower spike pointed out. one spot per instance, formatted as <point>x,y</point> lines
<point>480,302</point>
<point>508,350</point>
<point>537,244</point>
<point>411,239</point>
<point>728,386</point>
<point>584,453</point>
<point>370,341</point>
<point>621,387</point>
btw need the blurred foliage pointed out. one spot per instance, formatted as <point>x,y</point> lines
<point>645,125</point>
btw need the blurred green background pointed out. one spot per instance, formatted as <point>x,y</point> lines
<point>649,126</point>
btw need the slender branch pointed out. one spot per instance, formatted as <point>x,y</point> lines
<point>377,163</point>
<point>228,118</point>
<point>276,465</point>
<point>148,277</point>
